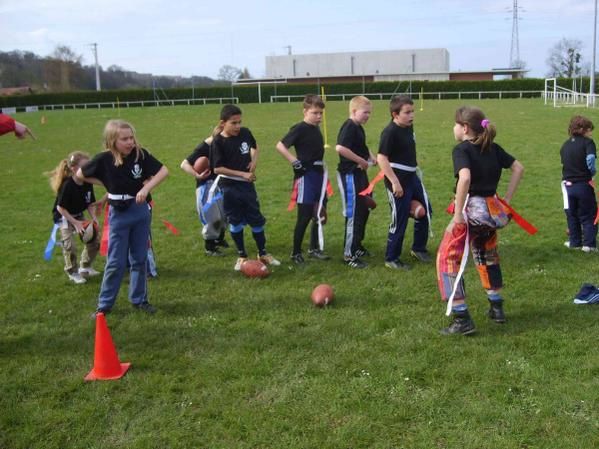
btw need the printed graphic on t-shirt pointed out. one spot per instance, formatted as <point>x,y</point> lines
<point>136,172</point>
<point>245,148</point>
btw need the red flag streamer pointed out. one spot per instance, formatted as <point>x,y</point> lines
<point>166,223</point>
<point>528,227</point>
<point>293,199</point>
<point>330,191</point>
<point>105,231</point>
<point>368,190</point>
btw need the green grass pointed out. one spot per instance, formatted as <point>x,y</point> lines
<point>229,362</point>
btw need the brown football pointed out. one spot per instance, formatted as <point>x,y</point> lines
<point>201,165</point>
<point>322,295</point>
<point>254,269</point>
<point>369,201</point>
<point>90,231</point>
<point>417,209</point>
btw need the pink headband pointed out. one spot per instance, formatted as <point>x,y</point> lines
<point>485,123</point>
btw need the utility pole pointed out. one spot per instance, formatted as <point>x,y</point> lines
<point>515,48</point>
<point>592,87</point>
<point>95,50</point>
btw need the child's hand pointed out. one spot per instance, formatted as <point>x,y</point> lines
<point>249,176</point>
<point>78,225</point>
<point>397,189</point>
<point>204,174</point>
<point>141,196</point>
<point>363,164</point>
<point>252,166</point>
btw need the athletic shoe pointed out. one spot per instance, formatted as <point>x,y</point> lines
<point>362,252</point>
<point>495,311</point>
<point>214,253</point>
<point>461,324</point>
<point>239,263</point>
<point>421,256</point>
<point>88,272</point>
<point>145,307</point>
<point>397,265</point>
<point>355,262</point>
<point>76,278</point>
<point>589,249</point>
<point>317,254</point>
<point>298,259</point>
<point>268,259</point>
<point>222,243</point>
<point>94,315</point>
<point>567,245</point>
<point>588,294</point>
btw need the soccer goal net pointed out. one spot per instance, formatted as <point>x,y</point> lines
<point>561,97</point>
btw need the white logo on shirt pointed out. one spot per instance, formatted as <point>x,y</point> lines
<point>88,197</point>
<point>245,148</point>
<point>136,172</point>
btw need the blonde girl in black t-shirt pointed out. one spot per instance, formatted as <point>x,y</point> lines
<point>73,197</point>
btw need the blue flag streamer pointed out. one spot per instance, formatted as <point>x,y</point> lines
<point>51,243</point>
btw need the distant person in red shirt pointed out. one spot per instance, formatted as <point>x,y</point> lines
<point>8,124</point>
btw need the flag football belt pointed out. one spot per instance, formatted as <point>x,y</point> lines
<point>402,167</point>
<point>124,197</point>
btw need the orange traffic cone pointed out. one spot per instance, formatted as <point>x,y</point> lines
<point>106,360</point>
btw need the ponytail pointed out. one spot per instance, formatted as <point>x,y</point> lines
<point>482,128</point>
<point>65,169</point>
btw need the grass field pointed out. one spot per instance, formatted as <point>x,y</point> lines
<point>229,362</point>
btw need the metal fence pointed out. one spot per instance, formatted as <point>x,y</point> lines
<point>483,94</point>
<point>122,104</point>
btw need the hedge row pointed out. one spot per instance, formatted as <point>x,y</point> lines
<point>249,94</point>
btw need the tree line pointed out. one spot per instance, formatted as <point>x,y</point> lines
<point>63,71</point>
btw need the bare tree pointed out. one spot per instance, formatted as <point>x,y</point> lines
<point>229,73</point>
<point>565,58</point>
<point>245,74</point>
<point>61,65</point>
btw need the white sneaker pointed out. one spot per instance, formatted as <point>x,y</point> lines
<point>268,259</point>
<point>88,272</point>
<point>76,278</point>
<point>239,263</point>
<point>567,245</point>
<point>589,249</point>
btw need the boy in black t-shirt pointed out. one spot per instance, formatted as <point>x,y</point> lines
<point>354,160</point>
<point>213,220</point>
<point>578,156</point>
<point>73,198</point>
<point>234,154</point>
<point>397,159</point>
<point>310,178</point>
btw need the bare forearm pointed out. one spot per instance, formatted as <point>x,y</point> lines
<point>517,173</point>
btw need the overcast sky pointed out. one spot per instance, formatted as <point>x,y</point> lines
<point>196,37</point>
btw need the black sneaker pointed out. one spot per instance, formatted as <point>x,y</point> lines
<point>145,307</point>
<point>421,256</point>
<point>397,265</point>
<point>222,243</point>
<point>214,252</point>
<point>355,262</point>
<point>94,315</point>
<point>318,254</point>
<point>495,311</point>
<point>461,324</point>
<point>298,259</point>
<point>363,252</point>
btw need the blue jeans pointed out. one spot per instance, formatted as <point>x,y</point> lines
<point>129,233</point>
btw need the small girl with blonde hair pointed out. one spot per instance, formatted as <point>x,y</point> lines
<point>73,197</point>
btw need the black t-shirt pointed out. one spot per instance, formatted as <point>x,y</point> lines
<point>485,166</point>
<point>74,198</point>
<point>399,145</point>
<point>202,150</point>
<point>307,140</point>
<point>352,136</point>
<point>233,152</point>
<point>127,178</point>
<point>574,154</point>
